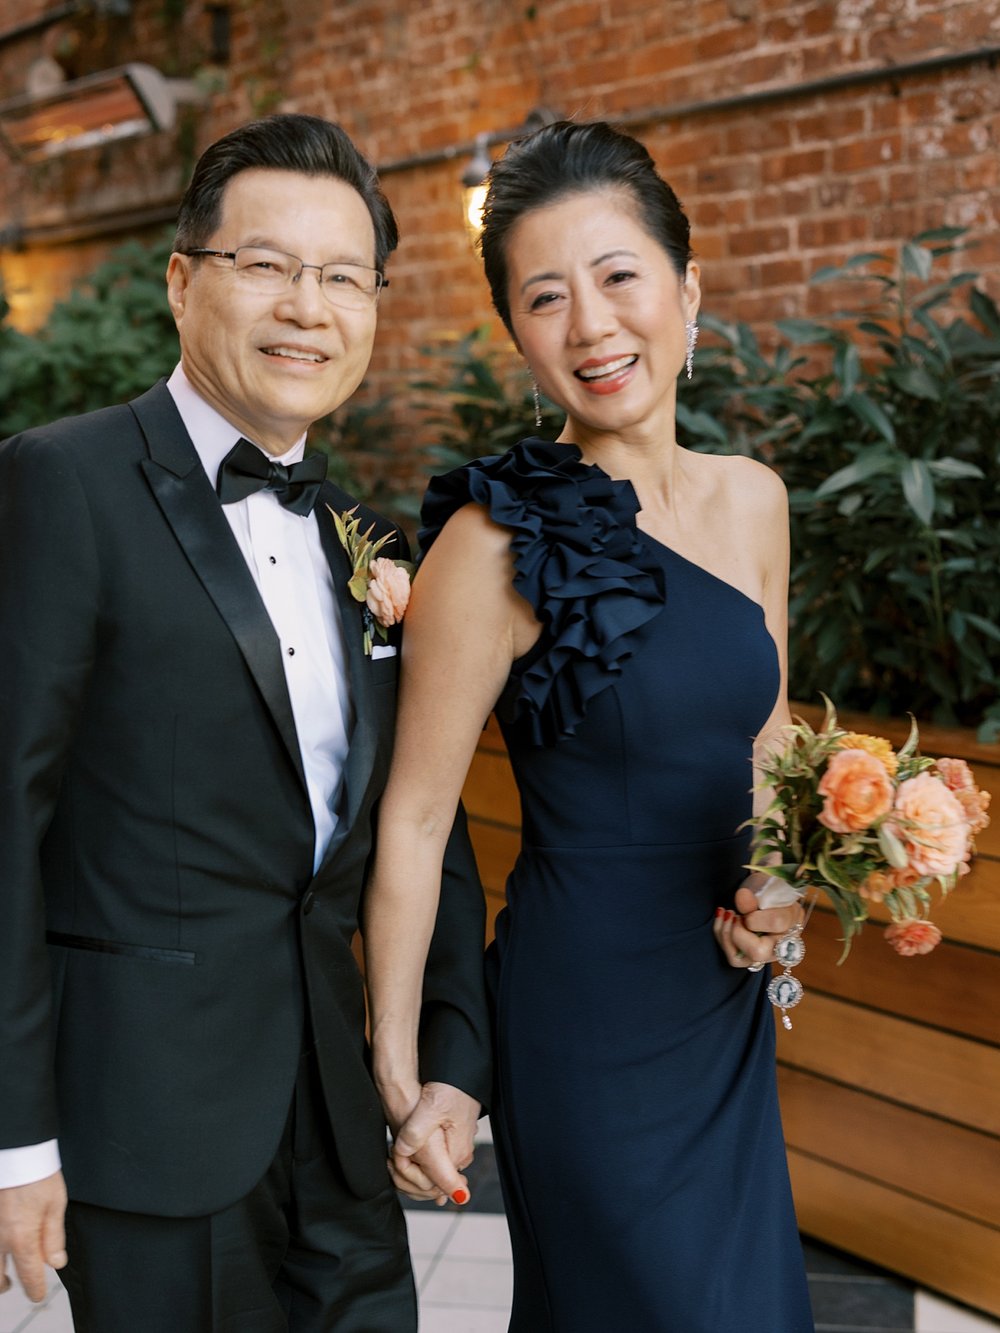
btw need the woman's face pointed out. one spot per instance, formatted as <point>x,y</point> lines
<point>598,311</point>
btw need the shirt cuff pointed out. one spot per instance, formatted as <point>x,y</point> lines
<point>23,1166</point>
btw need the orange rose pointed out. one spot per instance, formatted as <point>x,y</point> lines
<point>912,937</point>
<point>388,591</point>
<point>930,823</point>
<point>874,745</point>
<point>856,791</point>
<point>957,777</point>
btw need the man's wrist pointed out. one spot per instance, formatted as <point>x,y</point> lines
<point>24,1166</point>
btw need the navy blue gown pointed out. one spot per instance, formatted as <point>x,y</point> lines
<point>635,1115</point>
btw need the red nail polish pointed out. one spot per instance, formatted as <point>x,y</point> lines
<point>720,911</point>
<point>460,1196</point>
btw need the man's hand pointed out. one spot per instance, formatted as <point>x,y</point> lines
<point>32,1233</point>
<point>435,1144</point>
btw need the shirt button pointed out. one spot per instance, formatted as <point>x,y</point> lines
<point>272,559</point>
<point>291,652</point>
<point>308,902</point>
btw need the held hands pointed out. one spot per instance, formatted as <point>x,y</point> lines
<point>31,1232</point>
<point>747,936</point>
<point>433,1144</point>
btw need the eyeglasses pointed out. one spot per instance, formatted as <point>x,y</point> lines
<point>272,272</point>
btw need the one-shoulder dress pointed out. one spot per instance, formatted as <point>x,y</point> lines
<point>635,1113</point>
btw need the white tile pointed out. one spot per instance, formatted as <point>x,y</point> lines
<point>454,1319</point>
<point>931,1314</point>
<point>52,1316</point>
<point>428,1231</point>
<point>478,1283</point>
<point>484,1131</point>
<point>479,1236</point>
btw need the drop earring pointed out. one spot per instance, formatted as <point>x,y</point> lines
<point>691,330</point>
<point>536,396</point>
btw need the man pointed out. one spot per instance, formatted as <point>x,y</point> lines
<point>193,741</point>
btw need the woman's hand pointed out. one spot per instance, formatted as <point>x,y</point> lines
<point>748,934</point>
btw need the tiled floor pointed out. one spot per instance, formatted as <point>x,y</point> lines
<point>462,1265</point>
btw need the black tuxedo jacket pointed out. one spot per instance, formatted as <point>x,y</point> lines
<point>164,944</point>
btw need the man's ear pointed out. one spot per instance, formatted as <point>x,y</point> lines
<point>178,280</point>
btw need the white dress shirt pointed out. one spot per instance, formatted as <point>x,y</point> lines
<point>286,558</point>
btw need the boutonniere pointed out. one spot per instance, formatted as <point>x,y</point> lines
<point>381,585</point>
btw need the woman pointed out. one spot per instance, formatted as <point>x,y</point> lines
<point>622,603</point>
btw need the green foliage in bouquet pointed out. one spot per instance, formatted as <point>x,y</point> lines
<point>891,453</point>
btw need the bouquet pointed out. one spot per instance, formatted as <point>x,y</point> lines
<point>864,824</point>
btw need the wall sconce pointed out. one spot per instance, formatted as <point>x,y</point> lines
<point>474,187</point>
<point>474,176</point>
<point>97,109</point>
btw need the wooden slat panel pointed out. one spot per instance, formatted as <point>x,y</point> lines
<point>949,1076</point>
<point>953,987</point>
<point>489,790</point>
<point>955,1168</point>
<point>971,913</point>
<point>496,850</point>
<point>934,1247</point>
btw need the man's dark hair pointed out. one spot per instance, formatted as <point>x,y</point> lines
<point>294,142</point>
<point>565,159</point>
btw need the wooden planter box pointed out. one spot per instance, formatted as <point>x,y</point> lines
<point>890,1079</point>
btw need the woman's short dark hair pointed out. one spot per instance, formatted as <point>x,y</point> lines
<point>565,159</point>
<point>290,142</point>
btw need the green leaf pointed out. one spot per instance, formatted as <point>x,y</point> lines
<point>869,412</point>
<point>872,463</point>
<point>918,487</point>
<point>987,627</point>
<point>806,331</point>
<point>954,468</point>
<point>358,587</point>
<point>918,260</point>
<point>916,382</point>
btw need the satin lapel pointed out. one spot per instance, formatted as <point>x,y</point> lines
<point>364,736</point>
<point>190,506</point>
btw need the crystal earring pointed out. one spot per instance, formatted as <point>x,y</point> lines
<point>538,403</point>
<point>691,330</point>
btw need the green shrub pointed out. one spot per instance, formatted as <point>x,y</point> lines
<point>892,460</point>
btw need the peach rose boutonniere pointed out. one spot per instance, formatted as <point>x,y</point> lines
<point>855,820</point>
<point>381,585</point>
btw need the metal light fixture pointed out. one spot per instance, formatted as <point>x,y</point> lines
<point>100,108</point>
<point>474,176</point>
<point>474,186</point>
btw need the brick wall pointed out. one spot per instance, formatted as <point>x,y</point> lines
<point>773,190</point>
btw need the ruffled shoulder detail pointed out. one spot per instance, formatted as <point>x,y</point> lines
<point>578,561</point>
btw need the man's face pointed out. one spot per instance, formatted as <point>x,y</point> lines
<point>273,364</point>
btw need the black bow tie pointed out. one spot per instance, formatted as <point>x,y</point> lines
<point>245,470</point>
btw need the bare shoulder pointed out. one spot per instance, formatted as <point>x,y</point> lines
<point>471,536</point>
<point>748,481</point>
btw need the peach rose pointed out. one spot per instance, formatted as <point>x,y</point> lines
<point>856,791</point>
<point>388,591</point>
<point>958,778</point>
<point>912,937</point>
<point>930,823</point>
<point>880,883</point>
<point>875,745</point>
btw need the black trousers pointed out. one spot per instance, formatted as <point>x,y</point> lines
<point>298,1254</point>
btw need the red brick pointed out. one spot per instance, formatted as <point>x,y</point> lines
<point>822,233</point>
<point>759,240</point>
<point>787,166</point>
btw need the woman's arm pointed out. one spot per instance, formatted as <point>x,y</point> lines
<point>465,625</point>
<point>748,934</point>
